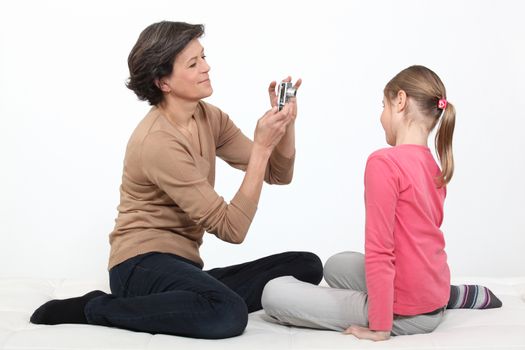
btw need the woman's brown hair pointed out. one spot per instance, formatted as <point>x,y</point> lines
<point>153,55</point>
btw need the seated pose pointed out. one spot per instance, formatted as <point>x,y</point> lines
<point>401,285</point>
<point>167,201</point>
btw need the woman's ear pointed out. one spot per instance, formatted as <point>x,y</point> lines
<point>401,101</point>
<point>163,85</point>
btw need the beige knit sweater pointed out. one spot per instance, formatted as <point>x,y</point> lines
<point>167,199</point>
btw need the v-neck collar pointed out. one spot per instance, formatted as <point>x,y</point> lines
<point>197,115</point>
<point>199,122</point>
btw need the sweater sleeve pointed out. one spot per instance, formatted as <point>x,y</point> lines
<point>235,148</point>
<point>170,166</point>
<point>381,194</point>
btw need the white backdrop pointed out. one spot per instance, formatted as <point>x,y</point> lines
<point>66,117</point>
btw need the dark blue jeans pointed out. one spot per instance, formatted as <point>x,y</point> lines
<point>165,293</point>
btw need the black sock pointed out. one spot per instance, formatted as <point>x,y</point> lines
<point>472,297</point>
<point>64,311</point>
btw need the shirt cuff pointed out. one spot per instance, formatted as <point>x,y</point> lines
<point>381,325</point>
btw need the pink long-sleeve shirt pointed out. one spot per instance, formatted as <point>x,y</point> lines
<point>405,261</point>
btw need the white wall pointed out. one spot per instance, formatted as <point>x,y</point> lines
<point>66,117</point>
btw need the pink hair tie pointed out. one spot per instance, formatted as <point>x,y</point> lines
<point>442,103</point>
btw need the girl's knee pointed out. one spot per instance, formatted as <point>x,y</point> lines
<point>273,292</point>
<point>341,263</point>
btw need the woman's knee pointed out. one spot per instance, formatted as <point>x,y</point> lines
<point>229,319</point>
<point>311,268</point>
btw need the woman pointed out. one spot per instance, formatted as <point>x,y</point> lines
<point>168,201</point>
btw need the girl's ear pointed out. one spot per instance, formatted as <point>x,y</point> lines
<point>401,101</point>
<point>162,84</point>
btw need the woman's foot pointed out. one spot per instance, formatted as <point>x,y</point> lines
<point>64,311</point>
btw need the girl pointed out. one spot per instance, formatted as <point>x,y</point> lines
<point>401,285</point>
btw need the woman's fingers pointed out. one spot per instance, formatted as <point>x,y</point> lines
<point>272,94</point>
<point>271,88</point>
<point>272,126</point>
<point>276,116</point>
<point>298,83</point>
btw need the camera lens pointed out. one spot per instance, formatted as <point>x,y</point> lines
<point>291,92</point>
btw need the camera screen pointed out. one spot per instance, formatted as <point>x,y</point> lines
<point>283,93</point>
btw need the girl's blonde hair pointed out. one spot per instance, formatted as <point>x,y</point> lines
<point>426,89</point>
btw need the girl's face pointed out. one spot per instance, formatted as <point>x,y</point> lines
<point>189,79</point>
<point>387,122</point>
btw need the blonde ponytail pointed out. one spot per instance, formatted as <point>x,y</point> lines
<point>427,90</point>
<point>443,143</point>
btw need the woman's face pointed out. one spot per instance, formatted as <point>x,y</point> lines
<point>387,122</point>
<point>189,79</point>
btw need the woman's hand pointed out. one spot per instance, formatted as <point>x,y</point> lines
<point>271,127</point>
<point>365,333</point>
<point>292,101</point>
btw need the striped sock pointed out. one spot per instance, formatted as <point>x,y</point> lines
<point>469,296</point>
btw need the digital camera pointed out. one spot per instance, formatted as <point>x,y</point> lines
<point>284,93</point>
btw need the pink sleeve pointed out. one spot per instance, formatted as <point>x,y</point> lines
<point>381,194</point>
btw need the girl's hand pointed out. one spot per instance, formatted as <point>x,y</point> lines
<point>292,102</point>
<point>365,333</point>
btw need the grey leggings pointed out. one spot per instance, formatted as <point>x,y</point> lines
<point>291,302</point>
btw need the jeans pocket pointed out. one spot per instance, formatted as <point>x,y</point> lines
<point>120,274</point>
